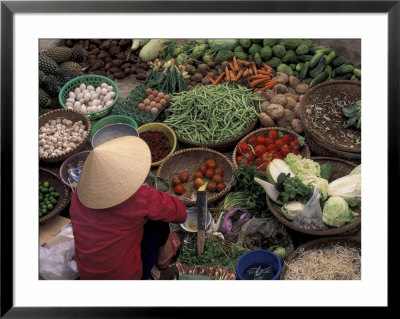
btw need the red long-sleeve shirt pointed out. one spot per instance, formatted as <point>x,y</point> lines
<point>107,241</point>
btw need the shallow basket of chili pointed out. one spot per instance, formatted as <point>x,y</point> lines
<point>161,140</point>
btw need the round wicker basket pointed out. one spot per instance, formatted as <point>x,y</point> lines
<point>339,168</point>
<point>189,160</point>
<point>320,143</point>
<point>305,151</point>
<point>55,181</point>
<point>348,241</point>
<point>70,115</point>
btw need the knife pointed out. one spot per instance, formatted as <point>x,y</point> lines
<point>201,204</point>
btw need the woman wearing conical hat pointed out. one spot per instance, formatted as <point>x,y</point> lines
<point>120,225</point>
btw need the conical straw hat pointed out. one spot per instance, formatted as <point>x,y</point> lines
<point>113,172</point>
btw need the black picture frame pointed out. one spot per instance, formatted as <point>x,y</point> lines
<point>9,8</point>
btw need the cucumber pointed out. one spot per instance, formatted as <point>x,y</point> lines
<point>338,61</point>
<point>343,77</point>
<point>321,77</point>
<point>315,59</point>
<point>316,48</point>
<point>324,51</point>
<point>294,59</point>
<point>319,68</point>
<point>305,58</point>
<point>357,72</point>
<point>328,69</point>
<point>331,56</point>
<point>307,81</point>
<point>298,66</point>
<point>304,71</point>
<point>343,69</point>
<point>354,78</point>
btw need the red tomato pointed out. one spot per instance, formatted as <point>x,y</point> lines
<point>260,150</point>
<point>210,173</point>
<point>217,178</point>
<point>202,168</point>
<point>269,140</point>
<point>266,157</point>
<point>210,163</point>
<point>287,138</point>
<point>252,141</point>
<point>240,160</point>
<point>219,171</point>
<point>179,189</point>
<point>243,148</point>
<point>220,187</point>
<point>295,145</point>
<point>296,152</point>
<point>273,134</point>
<point>250,156</point>
<point>264,166</point>
<point>184,177</point>
<point>272,148</point>
<point>279,143</point>
<point>198,174</point>
<point>276,155</point>
<point>285,150</point>
<point>261,140</point>
<point>258,161</point>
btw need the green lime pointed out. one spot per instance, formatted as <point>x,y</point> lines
<point>50,206</point>
<point>44,211</point>
<point>45,190</point>
<point>53,201</point>
<point>56,194</point>
<point>51,189</point>
<point>46,184</point>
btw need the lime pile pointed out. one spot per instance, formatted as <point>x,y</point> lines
<point>48,198</point>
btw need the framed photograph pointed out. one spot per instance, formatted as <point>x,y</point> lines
<point>27,24</point>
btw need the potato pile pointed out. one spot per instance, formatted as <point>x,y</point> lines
<point>198,70</point>
<point>59,136</point>
<point>154,102</point>
<point>282,103</point>
<point>110,57</point>
<point>90,99</point>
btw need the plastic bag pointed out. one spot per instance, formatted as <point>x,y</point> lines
<point>265,233</point>
<point>58,262</point>
<point>311,216</point>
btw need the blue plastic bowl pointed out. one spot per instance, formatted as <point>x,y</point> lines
<point>261,259</point>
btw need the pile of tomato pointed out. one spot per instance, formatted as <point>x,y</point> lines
<point>208,170</point>
<point>260,150</point>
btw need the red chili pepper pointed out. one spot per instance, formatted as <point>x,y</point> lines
<point>158,144</point>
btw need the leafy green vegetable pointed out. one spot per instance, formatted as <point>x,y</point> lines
<point>326,171</point>
<point>296,190</point>
<point>336,212</point>
<point>292,209</point>
<point>243,181</point>
<point>353,114</point>
<point>347,187</point>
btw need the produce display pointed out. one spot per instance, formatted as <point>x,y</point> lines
<point>59,136</point>
<point>336,262</point>
<point>90,99</point>
<point>48,198</point>
<point>248,94</point>
<point>196,117</point>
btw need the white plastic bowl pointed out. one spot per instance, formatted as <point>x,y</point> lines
<point>192,218</point>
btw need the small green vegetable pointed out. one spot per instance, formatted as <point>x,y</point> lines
<point>326,171</point>
<point>295,190</point>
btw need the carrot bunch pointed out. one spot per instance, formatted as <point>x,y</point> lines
<point>260,78</point>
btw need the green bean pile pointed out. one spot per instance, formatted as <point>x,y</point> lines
<point>212,113</point>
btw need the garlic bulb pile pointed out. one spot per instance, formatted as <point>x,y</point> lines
<point>59,136</point>
<point>89,99</point>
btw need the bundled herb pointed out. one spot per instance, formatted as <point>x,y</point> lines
<point>247,193</point>
<point>353,113</point>
<point>295,190</point>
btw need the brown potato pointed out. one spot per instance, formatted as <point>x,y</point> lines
<point>283,122</point>
<point>301,97</point>
<point>293,81</point>
<point>302,88</point>
<point>269,94</point>
<point>282,78</point>
<point>264,105</point>
<point>289,115</point>
<point>266,120</point>
<point>297,125</point>
<point>275,111</point>
<point>290,103</point>
<point>279,99</point>
<point>294,96</point>
<point>291,90</point>
<point>280,88</point>
<point>296,109</point>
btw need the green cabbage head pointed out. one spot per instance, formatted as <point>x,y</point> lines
<point>337,212</point>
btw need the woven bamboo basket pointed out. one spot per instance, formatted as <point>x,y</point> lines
<point>339,168</point>
<point>305,151</point>
<point>74,116</point>
<point>55,181</point>
<point>319,142</point>
<point>189,160</point>
<point>347,241</point>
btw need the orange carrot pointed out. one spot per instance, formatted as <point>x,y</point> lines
<point>254,68</point>
<point>258,76</point>
<point>251,72</point>
<point>231,65</point>
<point>210,79</point>
<point>269,84</point>
<point>246,72</point>
<point>258,81</point>
<point>227,75</point>
<point>246,64</point>
<point>239,75</point>
<point>232,75</point>
<point>235,64</point>
<point>262,71</point>
<point>266,67</point>
<point>219,78</point>
<point>240,61</point>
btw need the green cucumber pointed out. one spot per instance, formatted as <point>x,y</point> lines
<point>315,59</point>
<point>354,78</point>
<point>331,56</point>
<point>338,61</point>
<point>321,77</point>
<point>316,48</point>
<point>319,68</point>
<point>298,66</point>
<point>304,71</point>
<point>343,69</point>
<point>346,76</point>
<point>328,69</point>
<point>294,59</point>
<point>305,58</point>
<point>357,72</point>
<point>307,81</point>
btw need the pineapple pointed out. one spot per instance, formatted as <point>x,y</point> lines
<point>63,54</point>
<point>47,65</point>
<point>72,67</point>
<point>51,85</point>
<point>44,99</point>
<point>63,76</point>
